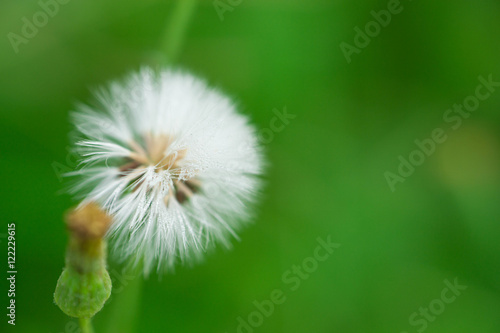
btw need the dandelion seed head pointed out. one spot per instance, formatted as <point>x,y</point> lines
<point>172,161</point>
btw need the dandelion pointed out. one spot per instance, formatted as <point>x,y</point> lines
<point>172,161</point>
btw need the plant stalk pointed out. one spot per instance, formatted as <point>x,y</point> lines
<point>175,30</point>
<point>86,325</point>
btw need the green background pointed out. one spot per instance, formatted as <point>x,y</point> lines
<point>326,176</point>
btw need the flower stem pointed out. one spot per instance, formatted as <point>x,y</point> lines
<point>175,30</point>
<point>126,302</point>
<point>123,314</point>
<point>86,325</point>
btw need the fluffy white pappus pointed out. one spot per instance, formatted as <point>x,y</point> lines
<point>172,161</point>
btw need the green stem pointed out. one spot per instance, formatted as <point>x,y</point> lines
<point>126,301</point>
<point>175,31</point>
<point>123,314</point>
<point>86,325</point>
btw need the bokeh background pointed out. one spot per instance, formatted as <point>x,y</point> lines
<point>326,176</point>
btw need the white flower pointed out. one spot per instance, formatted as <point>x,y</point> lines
<point>172,161</point>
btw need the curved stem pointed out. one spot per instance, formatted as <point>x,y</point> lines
<point>176,29</point>
<point>123,314</point>
<point>86,325</point>
<point>126,303</point>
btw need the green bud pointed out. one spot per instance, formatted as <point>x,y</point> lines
<point>82,295</point>
<point>84,285</point>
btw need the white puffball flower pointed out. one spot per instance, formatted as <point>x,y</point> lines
<point>172,161</point>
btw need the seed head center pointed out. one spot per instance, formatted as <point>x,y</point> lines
<point>158,152</point>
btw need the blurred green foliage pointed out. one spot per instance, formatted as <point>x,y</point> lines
<point>326,174</point>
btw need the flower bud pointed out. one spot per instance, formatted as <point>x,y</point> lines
<point>85,285</point>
